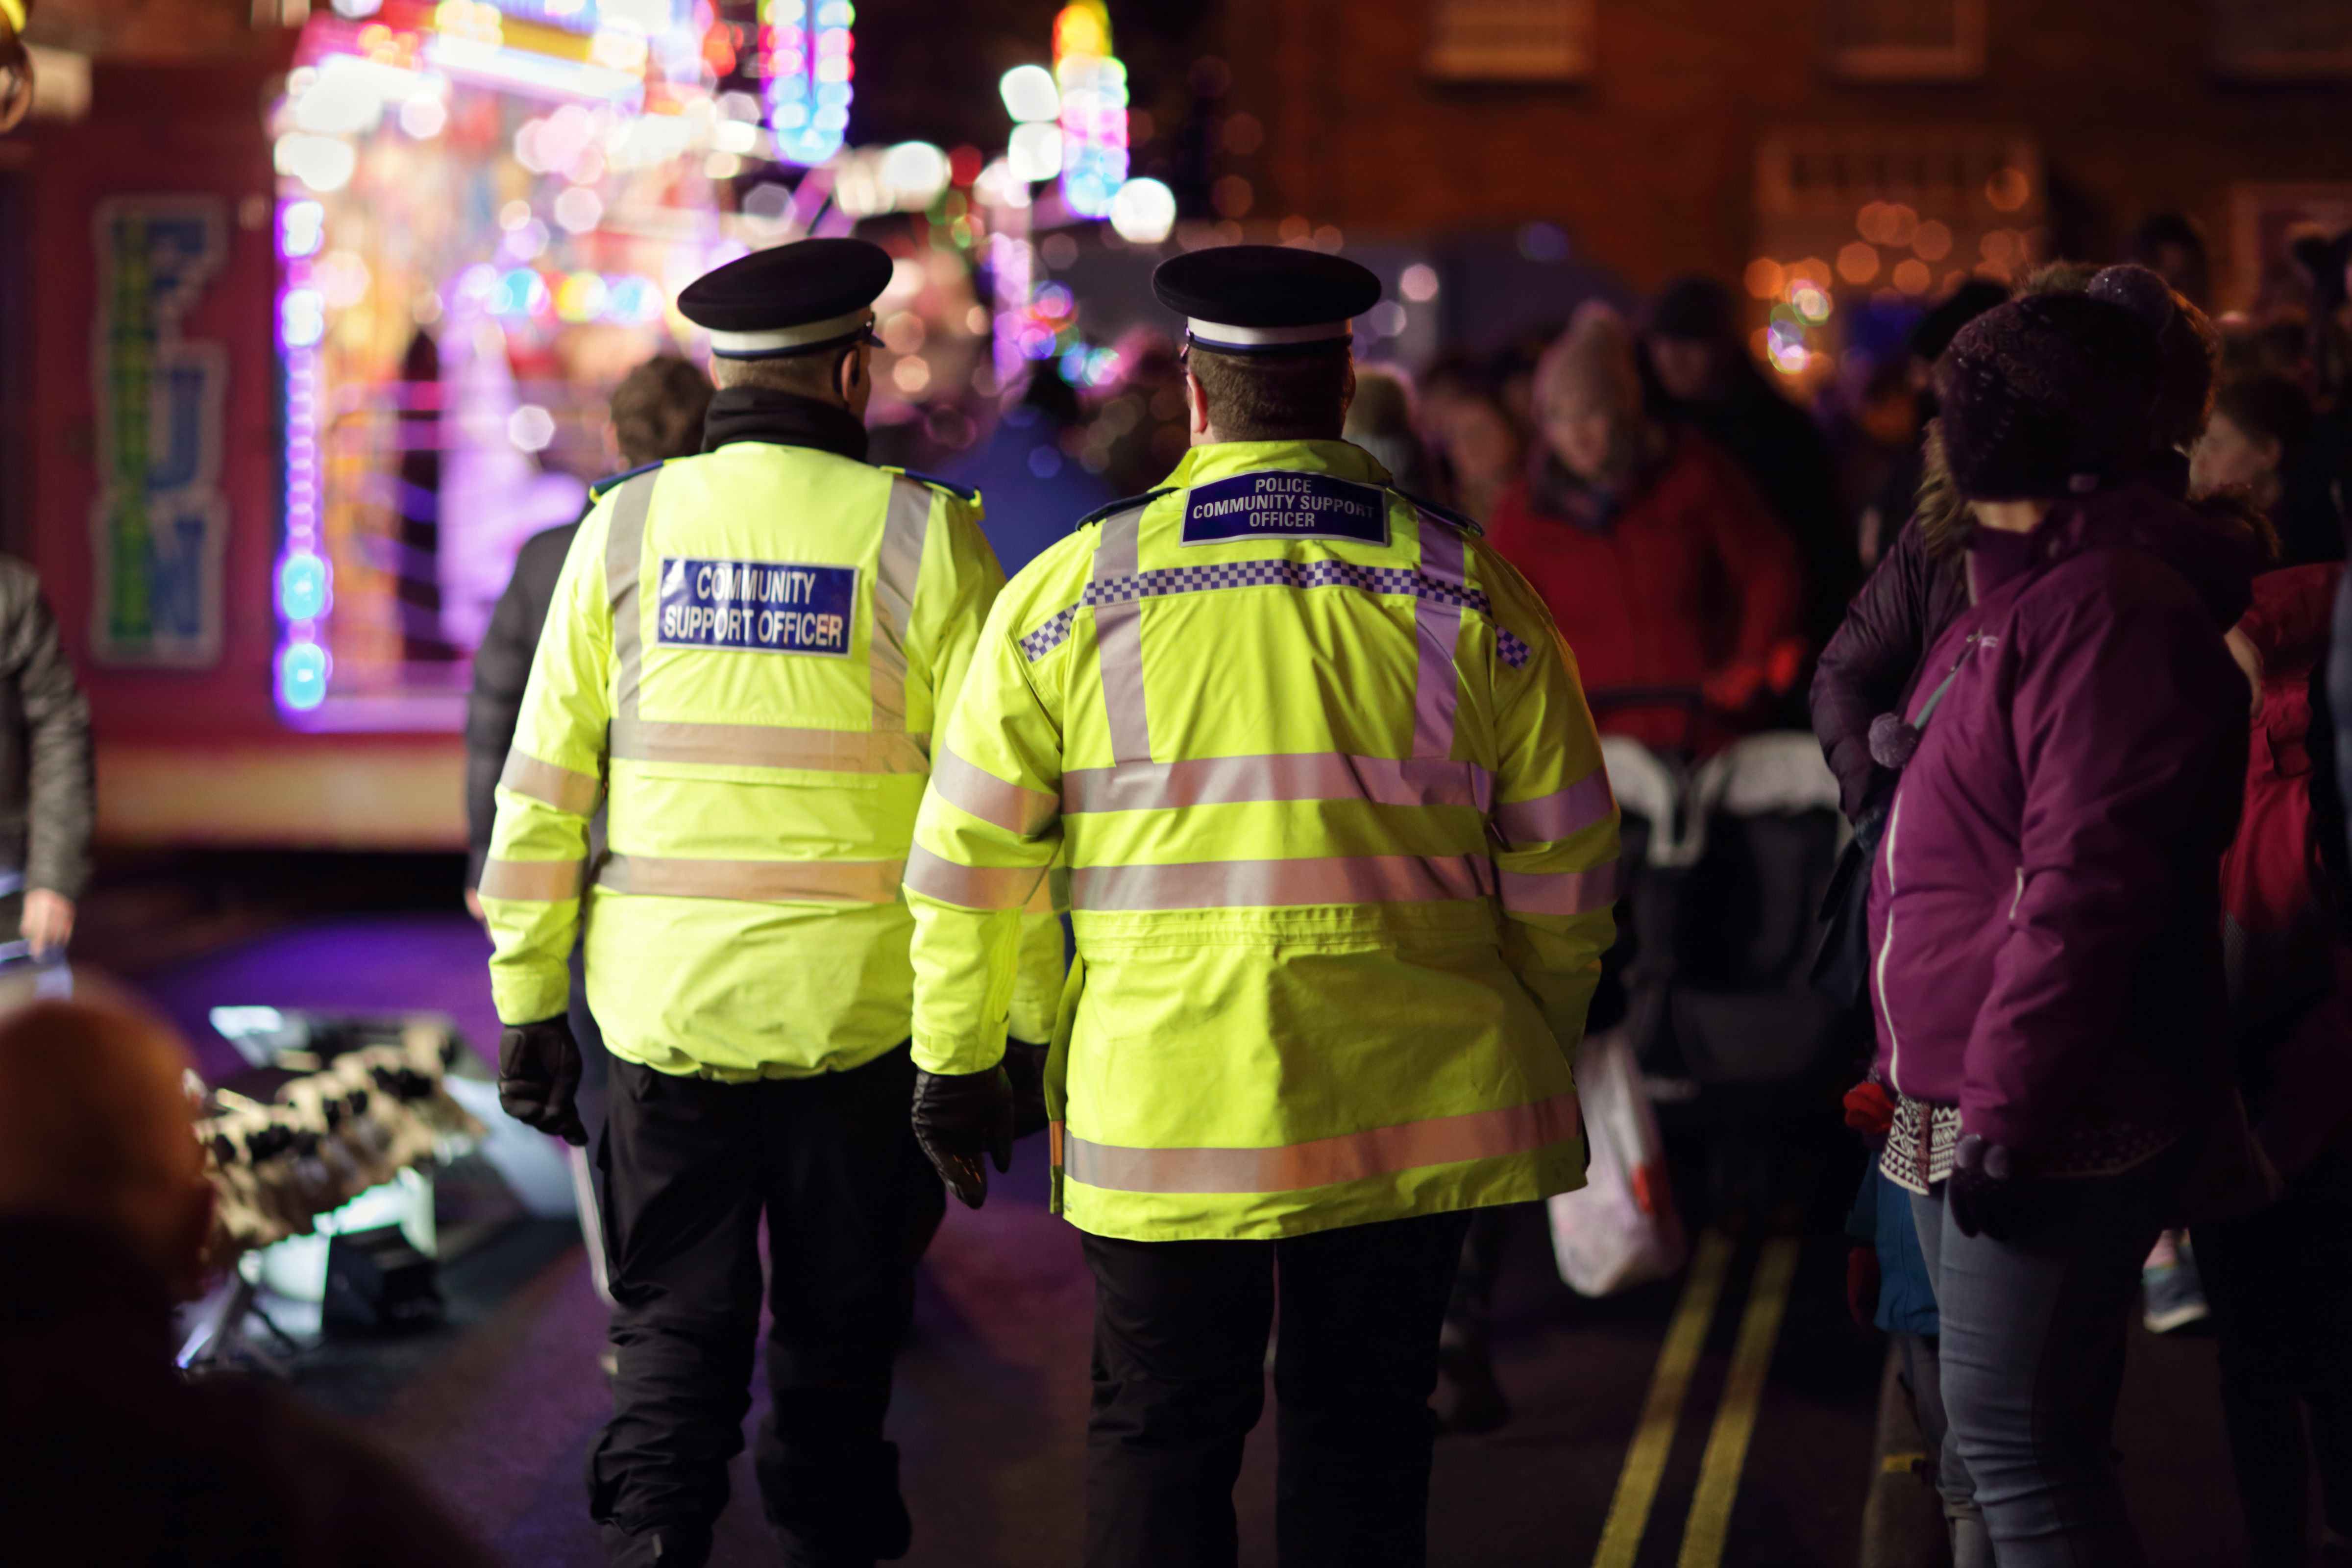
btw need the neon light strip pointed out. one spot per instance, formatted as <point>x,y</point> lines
<point>1094,109</point>
<point>808,66</point>
<point>304,582</point>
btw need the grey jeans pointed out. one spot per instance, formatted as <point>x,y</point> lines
<point>2032,1358</point>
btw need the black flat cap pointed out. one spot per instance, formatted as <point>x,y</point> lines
<point>811,294</point>
<point>1264,298</point>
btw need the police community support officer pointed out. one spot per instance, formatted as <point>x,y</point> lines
<point>767,632</point>
<point>1341,858</point>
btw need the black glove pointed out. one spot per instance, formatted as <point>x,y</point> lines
<point>538,1076</point>
<point>962,1120</point>
<point>1988,1194</point>
<point>1026,1065</point>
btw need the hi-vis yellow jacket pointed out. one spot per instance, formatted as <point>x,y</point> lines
<point>745,658</point>
<point>1341,855</point>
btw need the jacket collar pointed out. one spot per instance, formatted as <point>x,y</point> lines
<point>2141,515</point>
<point>1340,459</point>
<point>782,419</point>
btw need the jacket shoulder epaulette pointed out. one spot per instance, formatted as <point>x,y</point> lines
<point>1445,514</point>
<point>604,487</point>
<point>967,493</point>
<point>1128,503</point>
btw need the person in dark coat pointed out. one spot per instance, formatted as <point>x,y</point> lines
<point>2045,917</point>
<point>1701,375</point>
<point>48,788</point>
<point>107,1455</point>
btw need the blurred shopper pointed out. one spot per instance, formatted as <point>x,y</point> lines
<point>1028,470</point>
<point>1671,581</point>
<point>2170,246</point>
<point>2276,1280</point>
<point>1140,423</point>
<point>2263,442</point>
<point>107,1455</point>
<point>47,789</point>
<point>746,945</point>
<point>1206,701</point>
<point>1381,420</point>
<point>1703,376</point>
<point>1477,445</point>
<point>2044,919</point>
<point>1884,515</point>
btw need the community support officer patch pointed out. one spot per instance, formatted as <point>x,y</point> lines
<point>757,606</point>
<point>1285,505</point>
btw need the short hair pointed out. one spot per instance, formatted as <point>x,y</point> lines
<point>1295,397</point>
<point>658,410</point>
<point>812,374</point>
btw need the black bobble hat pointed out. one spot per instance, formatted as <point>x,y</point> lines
<point>1265,299</point>
<point>2050,396</point>
<point>794,298</point>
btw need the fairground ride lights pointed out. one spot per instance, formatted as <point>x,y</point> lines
<point>1093,83</point>
<point>806,49</point>
<point>305,585</point>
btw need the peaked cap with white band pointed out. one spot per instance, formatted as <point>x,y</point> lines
<point>794,298</point>
<point>1264,298</point>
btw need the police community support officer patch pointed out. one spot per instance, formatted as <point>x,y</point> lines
<point>1285,505</point>
<point>758,606</point>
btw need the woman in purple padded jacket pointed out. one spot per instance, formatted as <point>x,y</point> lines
<point>2046,970</point>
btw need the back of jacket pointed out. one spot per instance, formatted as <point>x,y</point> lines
<point>747,650</point>
<point>1341,855</point>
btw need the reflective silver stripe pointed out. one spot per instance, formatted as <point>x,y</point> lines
<point>1494,1134</point>
<point>905,524</point>
<point>766,746</point>
<point>1118,642</point>
<point>1563,814</point>
<point>1560,892</point>
<point>1276,884</point>
<point>1053,894</point>
<point>976,790</point>
<point>1281,775</point>
<point>753,881</point>
<point>624,551</point>
<point>548,784</point>
<point>1438,620</point>
<point>971,887</point>
<point>537,881</point>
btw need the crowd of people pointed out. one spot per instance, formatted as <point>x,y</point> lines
<point>2058,591</point>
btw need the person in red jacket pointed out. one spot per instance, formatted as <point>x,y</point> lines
<point>1675,586</point>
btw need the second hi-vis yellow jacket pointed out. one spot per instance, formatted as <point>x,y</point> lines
<point>745,656</point>
<point>1340,857</point>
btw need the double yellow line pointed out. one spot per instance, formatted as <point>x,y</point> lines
<point>1709,1525</point>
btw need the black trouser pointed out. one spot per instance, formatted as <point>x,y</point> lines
<point>2277,1282</point>
<point>1180,1379</point>
<point>687,1166</point>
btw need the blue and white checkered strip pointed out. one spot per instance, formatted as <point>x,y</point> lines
<point>1168,579</point>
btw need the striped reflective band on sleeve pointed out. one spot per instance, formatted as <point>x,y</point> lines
<point>763,746</point>
<point>1325,1162</point>
<point>1281,775</point>
<point>1279,884</point>
<point>624,551</point>
<point>1437,618</point>
<point>1560,892</point>
<point>753,881</point>
<point>1563,814</point>
<point>972,886</point>
<point>1119,641</point>
<point>532,881</point>
<point>1027,812</point>
<point>561,788</point>
<point>906,523</point>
